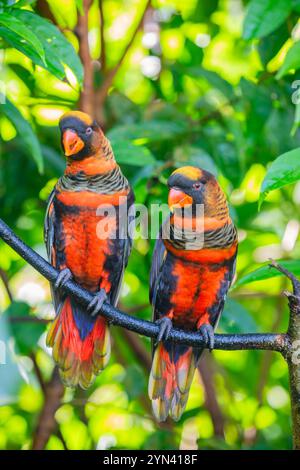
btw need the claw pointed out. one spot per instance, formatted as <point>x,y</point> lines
<point>208,334</point>
<point>165,326</point>
<point>96,304</point>
<point>64,276</point>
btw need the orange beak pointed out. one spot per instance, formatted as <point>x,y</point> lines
<point>72,143</point>
<point>178,199</point>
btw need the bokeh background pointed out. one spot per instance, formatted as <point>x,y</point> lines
<point>202,82</point>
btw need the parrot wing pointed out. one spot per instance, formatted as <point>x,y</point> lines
<point>158,258</point>
<point>124,250</point>
<point>49,237</point>
<point>49,225</point>
<point>216,312</point>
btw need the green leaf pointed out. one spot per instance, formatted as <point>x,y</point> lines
<point>25,132</point>
<point>192,155</point>
<point>214,79</point>
<point>22,3</point>
<point>265,272</point>
<point>296,5</point>
<point>259,105</point>
<point>130,154</point>
<point>10,22</point>
<point>270,45</point>
<point>26,334</point>
<point>192,55</point>
<point>291,61</point>
<point>282,171</point>
<point>231,319</point>
<point>264,16</point>
<point>54,159</point>
<point>150,131</point>
<point>228,161</point>
<point>58,51</point>
<point>134,381</point>
<point>204,10</point>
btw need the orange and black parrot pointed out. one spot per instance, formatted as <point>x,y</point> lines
<point>192,269</point>
<point>93,257</point>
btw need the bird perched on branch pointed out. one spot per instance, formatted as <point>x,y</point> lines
<point>86,234</point>
<point>192,269</point>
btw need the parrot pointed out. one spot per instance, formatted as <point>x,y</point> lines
<point>191,272</point>
<point>94,258</point>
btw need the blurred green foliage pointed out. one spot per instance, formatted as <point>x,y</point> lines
<point>208,83</point>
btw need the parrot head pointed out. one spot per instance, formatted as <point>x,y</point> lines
<point>81,136</point>
<point>189,186</point>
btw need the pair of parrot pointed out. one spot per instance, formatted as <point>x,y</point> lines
<point>189,278</point>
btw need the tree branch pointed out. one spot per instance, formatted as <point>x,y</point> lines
<point>102,39</point>
<point>138,349</point>
<point>4,278</point>
<point>54,391</point>
<point>205,369</point>
<point>108,80</point>
<point>268,341</point>
<point>287,344</point>
<point>269,355</point>
<point>293,350</point>
<point>38,373</point>
<point>86,102</point>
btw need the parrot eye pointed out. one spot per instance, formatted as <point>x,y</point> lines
<point>197,185</point>
<point>89,130</point>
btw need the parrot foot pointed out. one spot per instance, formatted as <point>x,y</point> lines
<point>64,276</point>
<point>208,334</point>
<point>96,304</point>
<point>165,326</point>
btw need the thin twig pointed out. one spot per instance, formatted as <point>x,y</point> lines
<point>268,355</point>
<point>61,437</point>
<point>217,113</point>
<point>133,310</point>
<point>102,39</point>
<point>43,9</point>
<point>205,369</point>
<point>295,282</point>
<point>253,295</point>
<point>38,373</point>
<point>292,351</point>
<point>108,80</point>
<point>142,398</point>
<point>86,102</point>
<point>139,350</point>
<point>28,319</point>
<point>54,392</point>
<point>5,281</point>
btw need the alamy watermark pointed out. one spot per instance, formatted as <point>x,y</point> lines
<point>183,223</point>
<point>296,93</point>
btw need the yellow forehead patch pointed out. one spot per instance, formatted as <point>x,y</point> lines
<point>191,172</point>
<point>79,115</point>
